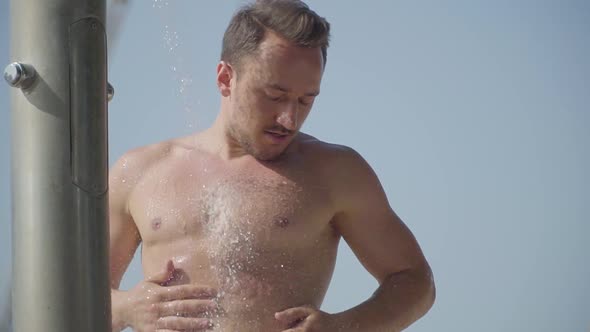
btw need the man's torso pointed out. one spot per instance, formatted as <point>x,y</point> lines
<point>259,232</point>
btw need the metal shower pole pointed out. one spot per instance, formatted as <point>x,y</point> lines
<point>5,310</point>
<point>60,280</point>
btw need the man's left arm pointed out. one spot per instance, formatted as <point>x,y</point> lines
<point>385,247</point>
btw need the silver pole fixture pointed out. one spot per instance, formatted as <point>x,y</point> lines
<point>60,280</point>
<point>19,75</point>
<point>110,92</point>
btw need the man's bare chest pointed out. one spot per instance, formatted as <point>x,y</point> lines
<point>267,210</point>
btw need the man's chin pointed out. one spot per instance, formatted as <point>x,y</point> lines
<point>268,155</point>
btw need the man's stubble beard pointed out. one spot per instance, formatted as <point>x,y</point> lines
<point>247,144</point>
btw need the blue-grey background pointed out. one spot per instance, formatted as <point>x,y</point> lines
<point>474,114</point>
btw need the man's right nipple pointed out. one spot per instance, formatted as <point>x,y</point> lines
<point>156,224</point>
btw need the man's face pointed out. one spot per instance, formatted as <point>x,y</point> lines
<point>272,95</point>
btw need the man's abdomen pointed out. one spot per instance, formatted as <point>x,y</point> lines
<point>251,286</point>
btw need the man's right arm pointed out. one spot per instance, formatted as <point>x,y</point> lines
<point>124,235</point>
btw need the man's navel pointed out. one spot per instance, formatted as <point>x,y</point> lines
<point>282,222</point>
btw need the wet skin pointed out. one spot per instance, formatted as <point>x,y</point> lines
<point>259,232</point>
<point>255,210</point>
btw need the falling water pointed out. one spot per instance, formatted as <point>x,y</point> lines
<point>178,67</point>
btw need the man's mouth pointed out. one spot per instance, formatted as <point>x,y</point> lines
<point>276,137</point>
<point>277,134</point>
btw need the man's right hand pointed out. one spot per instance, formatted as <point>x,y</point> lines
<point>151,306</point>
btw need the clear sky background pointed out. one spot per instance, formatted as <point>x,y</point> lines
<point>474,114</point>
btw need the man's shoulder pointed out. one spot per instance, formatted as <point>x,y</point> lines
<point>143,157</point>
<point>136,162</point>
<point>327,152</point>
<point>343,169</point>
<point>340,165</point>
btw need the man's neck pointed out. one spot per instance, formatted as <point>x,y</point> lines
<point>221,143</point>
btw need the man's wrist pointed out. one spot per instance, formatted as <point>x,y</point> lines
<point>120,309</point>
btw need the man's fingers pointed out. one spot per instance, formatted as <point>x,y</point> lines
<point>184,323</point>
<point>188,308</point>
<point>293,316</point>
<point>183,292</point>
<point>298,328</point>
<point>164,275</point>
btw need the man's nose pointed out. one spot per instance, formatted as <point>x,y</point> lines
<point>288,116</point>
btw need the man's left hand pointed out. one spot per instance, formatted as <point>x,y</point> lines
<point>306,319</point>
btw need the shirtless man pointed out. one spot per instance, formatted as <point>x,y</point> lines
<point>240,223</point>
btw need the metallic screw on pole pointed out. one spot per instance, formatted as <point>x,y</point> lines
<point>19,75</point>
<point>110,92</point>
<point>22,76</point>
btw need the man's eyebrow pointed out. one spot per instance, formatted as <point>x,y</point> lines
<point>283,89</point>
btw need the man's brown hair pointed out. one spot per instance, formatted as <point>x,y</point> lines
<point>290,19</point>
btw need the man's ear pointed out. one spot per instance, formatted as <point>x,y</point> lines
<point>225,74</point>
